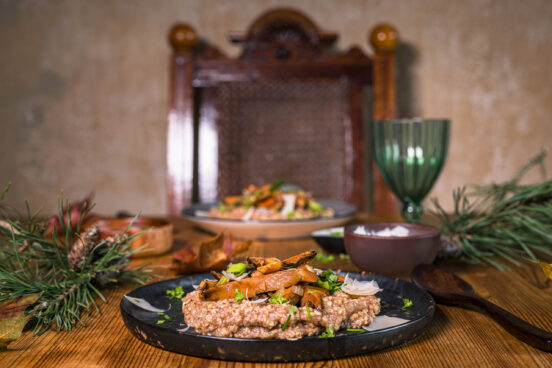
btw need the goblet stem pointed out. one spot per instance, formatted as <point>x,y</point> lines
<point>412,211</point>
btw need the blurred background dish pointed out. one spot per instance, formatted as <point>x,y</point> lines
<point>395,252</point>
<point>159,237</point>
<point>269,230</point>
<point>330,239</point>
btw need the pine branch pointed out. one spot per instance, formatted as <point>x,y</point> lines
<point>499,221</point>
<point>67,281</point>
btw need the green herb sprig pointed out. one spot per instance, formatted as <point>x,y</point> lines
<point>176,293</point>
<point>407,303</point>
<point>324,258</point>
<point>330,332</point>
<point>239,296</point>
<point>292,311</point>
<point>329,281</point>
<point>278,299</point>
<point>237,269</point>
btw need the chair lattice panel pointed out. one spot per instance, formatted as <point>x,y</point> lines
<point>294,130</point>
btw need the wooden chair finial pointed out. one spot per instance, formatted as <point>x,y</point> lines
<point>182,37</point>
<point>384,38</point>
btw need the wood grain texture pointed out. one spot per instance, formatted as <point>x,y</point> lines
<point>457,337</point>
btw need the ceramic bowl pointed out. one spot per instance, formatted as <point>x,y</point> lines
<point>159,238</point>
<point>391,254</point>
<point>330,239</point>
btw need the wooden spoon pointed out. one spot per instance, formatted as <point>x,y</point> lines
<point>450,289</point>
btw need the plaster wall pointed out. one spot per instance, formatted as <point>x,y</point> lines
<point>84,86</point>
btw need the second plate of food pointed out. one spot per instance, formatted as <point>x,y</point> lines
<point>269,229</point>
<point>401,301</point>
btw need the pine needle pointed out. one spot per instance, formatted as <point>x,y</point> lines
<point>506,221</point>
<point>30,263</point>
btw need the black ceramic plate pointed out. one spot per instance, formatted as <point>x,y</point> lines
<point>143,325</point>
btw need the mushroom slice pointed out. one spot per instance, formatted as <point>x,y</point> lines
<point>231,200</point>
<point>307,273</point>
<point>261,261</point>
<point>254,285</point>
<point>206,284</point>
<point>312,296</point>
<point>217,275</point>
<point>291,262</point>
<point>292,294</point>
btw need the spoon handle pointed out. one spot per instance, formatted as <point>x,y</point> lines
<point>524,331</point>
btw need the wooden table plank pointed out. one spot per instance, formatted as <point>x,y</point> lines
<point>456,337</point>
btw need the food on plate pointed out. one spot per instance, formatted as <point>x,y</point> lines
<point>268,298</point>
<point>270,202</point>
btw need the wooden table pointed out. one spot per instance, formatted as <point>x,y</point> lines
<point>457,337</point>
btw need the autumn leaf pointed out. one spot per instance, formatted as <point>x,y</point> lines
<point>13,318</point>
<point>212,254</point>
<point>547,268</point>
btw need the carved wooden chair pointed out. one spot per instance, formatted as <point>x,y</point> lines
<point>289,107</point>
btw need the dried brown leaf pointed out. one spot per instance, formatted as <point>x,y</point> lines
<point>547,268</point>
<point>212,254</point>
<point>13,318</point>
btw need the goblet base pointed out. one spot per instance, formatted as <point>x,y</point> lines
<point>412,212</point>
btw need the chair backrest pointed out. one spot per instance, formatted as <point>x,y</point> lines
<point>289,107</point>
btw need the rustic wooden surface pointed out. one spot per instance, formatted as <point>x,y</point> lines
<point>457,337</point>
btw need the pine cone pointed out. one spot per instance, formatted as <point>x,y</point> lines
<point>83,247</point>
<point>449,248</point>
<point>104,278</point>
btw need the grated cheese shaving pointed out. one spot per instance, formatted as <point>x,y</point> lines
<point>357,287</point>
<point>144,304</point>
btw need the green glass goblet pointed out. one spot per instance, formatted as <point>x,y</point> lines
<point>410,154</point>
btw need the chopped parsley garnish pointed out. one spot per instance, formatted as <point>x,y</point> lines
<point>248,202</point>
<point>223,208</point>
<point>237,269</point>
<point>308,312</point>
<point>322,284</point>
<point>239,296</point>
<point>315,206</point>
<point>160,321</point>
<point>407,303</point>
<point>324,258</point>
<point>286,323</point>
<point>276,185</point>
<point>292,310</point>
<point>223,280</point>
<point>278,299</point>
<point>329,276</point>
<point>343,256</point>
<point>161,314</point>
<point>176,293</point>
<point>328,333</point>
<point>329,281</point>
<point>356,330</point>
<point>290,214</point>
